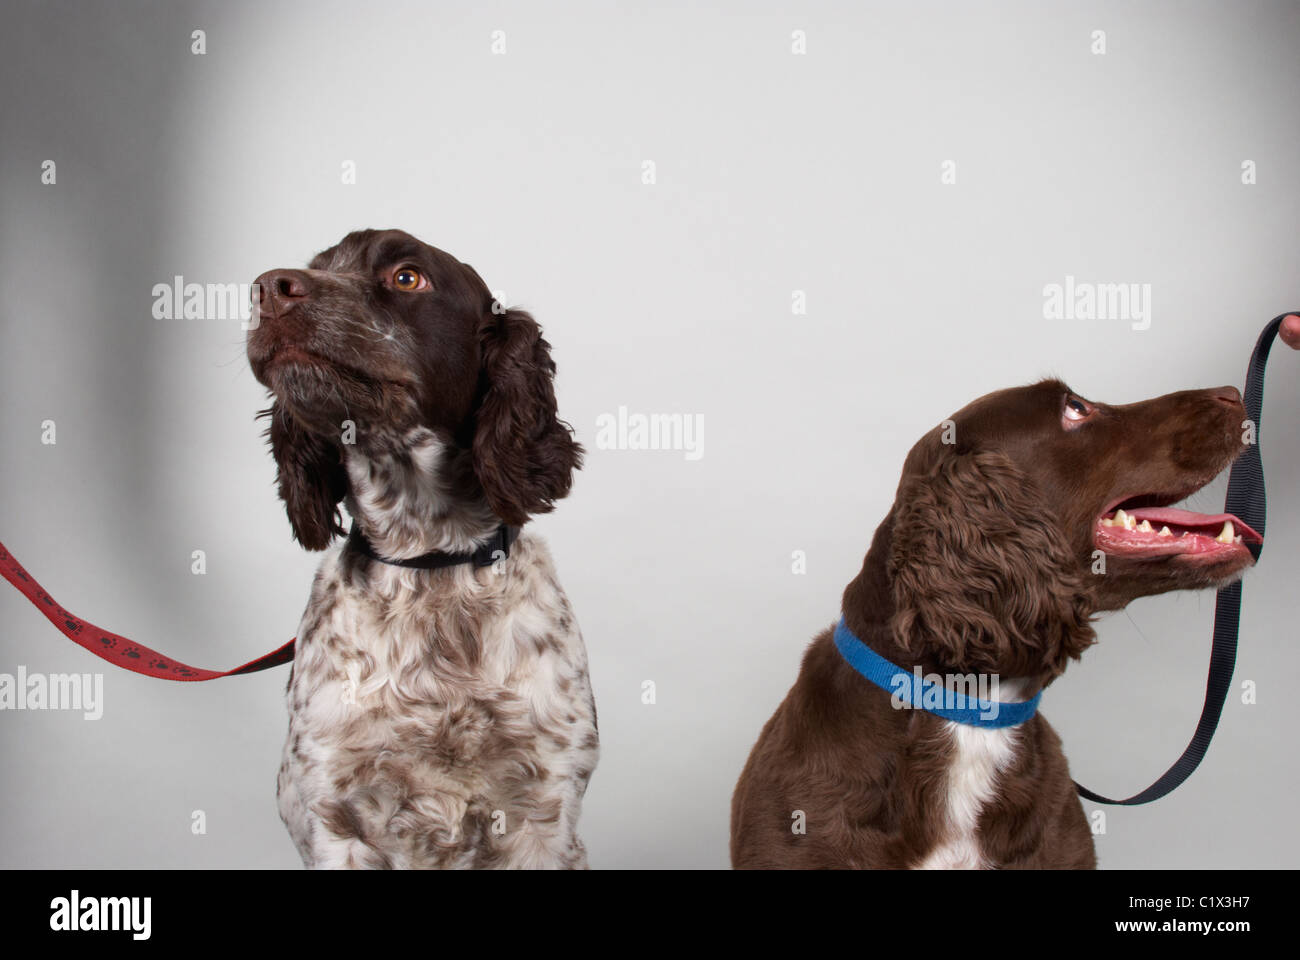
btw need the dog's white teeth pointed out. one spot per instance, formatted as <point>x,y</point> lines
<point>1122,519</point>
<point>1145,527</point>
<point>1237,539</point>
<point>1226,534</point>
<point>1166,532</point>
<point>1107,522</point>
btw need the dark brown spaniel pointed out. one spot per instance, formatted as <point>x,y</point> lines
<point>1015,522</point>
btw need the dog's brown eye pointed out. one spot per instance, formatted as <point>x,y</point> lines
<point>408,279</point>
<point>1075,411</point>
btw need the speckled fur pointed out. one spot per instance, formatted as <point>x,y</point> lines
<point>437,718</point>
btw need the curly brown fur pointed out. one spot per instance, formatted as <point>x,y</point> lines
<point>980,572</point>
<point>310,478</point>
<point>523,454</point>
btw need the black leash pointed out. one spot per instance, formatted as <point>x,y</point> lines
<point>1246,501</point>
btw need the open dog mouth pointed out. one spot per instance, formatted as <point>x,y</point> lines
<point>1143,526</point>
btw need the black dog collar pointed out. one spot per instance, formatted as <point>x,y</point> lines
<point>486,555</point>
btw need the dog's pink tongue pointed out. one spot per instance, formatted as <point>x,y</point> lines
<point>1187,518</point>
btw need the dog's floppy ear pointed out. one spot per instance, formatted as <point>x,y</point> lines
<point>979,574</point>
<point>524,455</point>
<point>311,477</point>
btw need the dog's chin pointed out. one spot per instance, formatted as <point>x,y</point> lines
<point>1126,580</point>
<point>328,399</point>
<point>1212,571</point>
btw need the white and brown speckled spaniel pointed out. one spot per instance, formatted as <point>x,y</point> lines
<point>440,713</point>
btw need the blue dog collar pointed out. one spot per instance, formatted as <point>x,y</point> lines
<point>913,691</point>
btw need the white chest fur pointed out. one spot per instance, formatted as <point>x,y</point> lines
<point>979,754</point>
<point>436,722</point>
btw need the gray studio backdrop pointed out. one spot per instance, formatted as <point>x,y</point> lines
<point>819,253</point>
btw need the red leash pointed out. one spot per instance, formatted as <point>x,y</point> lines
<point>116,649</point>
